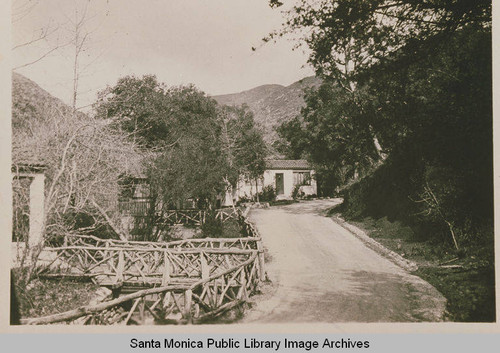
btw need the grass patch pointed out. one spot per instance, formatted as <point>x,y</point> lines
<point>46,297</point>
<point>281,202</point>
<point>470,291</point>
<point>231,229</point>
<point>467,282</point>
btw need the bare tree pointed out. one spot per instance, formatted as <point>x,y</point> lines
<point>434,209</point>
<point>68,35</point>
<point>85,160</point>
<point>47,34</point>
<point>79,33</point>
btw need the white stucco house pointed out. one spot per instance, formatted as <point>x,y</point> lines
<point>283,175</point>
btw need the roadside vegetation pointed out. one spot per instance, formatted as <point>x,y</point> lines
<point>44,297</point>
<point>467,281</point>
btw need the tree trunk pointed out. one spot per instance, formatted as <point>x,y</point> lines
<point>257,190</point>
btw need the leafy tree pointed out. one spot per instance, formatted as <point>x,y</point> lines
<point>244,145</point>
<point>347,36</point>
<point>181,126</point>
<point>138,106</point>
<point>198,147</point>
<point>333,133</point>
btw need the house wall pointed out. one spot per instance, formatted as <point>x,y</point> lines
<point>247,189</point>
<point>270,179</point>
<point>36,215</point>
<point>36,205</point>
<point>37,200</point>
<point>244,189</point>
<point>288,182</point>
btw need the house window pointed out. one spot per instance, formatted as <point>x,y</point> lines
<point>141,191</point>
<point>301,178</point>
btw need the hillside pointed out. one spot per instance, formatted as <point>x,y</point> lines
<point>31,105</point>
<point>30,101</point>
<point>272,104</point>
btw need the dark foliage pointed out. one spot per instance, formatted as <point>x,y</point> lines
<point>196,149</point>
<point>435,118</point>
<point>267,194</point>
<point>212,227</point>
<point>402,125</point>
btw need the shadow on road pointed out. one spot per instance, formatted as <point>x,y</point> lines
<point>319,207</point>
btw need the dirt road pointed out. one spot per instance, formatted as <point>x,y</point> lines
<point>322,273</point>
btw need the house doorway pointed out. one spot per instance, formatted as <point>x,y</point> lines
<point>280,186</point>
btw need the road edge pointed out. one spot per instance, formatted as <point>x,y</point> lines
<point>427,293</point>
<point>394,257</point>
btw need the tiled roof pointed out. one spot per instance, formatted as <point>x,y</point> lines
<point>287,164</point>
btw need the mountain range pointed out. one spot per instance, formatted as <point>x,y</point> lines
<point>272,104</point>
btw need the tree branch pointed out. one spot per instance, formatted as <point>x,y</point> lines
<point>108,220</point>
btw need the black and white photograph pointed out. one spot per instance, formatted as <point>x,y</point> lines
<point>264,162</point>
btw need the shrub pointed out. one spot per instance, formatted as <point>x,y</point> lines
<point>267,194</point>
<point>212,227</point>
<point>297,193</point>
<point>243,199</point>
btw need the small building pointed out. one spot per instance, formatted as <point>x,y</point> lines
<point>286,174</point>
<point>283,175</point>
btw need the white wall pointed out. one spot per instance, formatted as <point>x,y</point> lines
<point>37,200</point>
<point>247,189</point>
<point>243,189</point>
<point>288,182</point>
<point>36,218</point>
<point>270,179</point>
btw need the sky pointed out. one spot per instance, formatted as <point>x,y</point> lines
<point>204,42</point>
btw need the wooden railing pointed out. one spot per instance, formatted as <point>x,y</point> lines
<point>225,214</point>
<point>171,217</point>
<point>215,243</point>
<point>198,217</point>
<point>187,217</point>
<point>132,266</point>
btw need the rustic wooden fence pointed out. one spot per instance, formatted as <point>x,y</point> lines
<point>141,266</point>
<point>141,208</point>
<point>247,242</point>
<point>187,216</point>
<point>198,217</point>
<point>186,281</point>
<point>193,302</point>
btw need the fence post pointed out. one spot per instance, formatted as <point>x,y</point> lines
<point>205,270</point>
<point>242,293</point>
<point>188,300</point>
<point>120,268</point>
<point>166,269</point>
<point>262,270</point>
